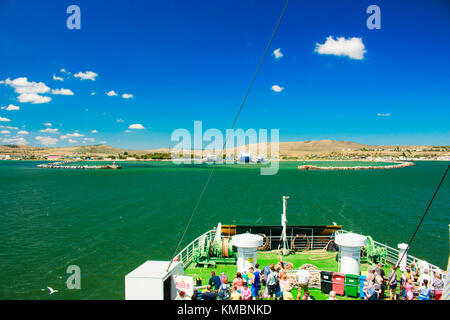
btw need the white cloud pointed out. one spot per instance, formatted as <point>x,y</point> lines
<point>64,71</point>
<point>137,126</point>
<point>29,91</point>
<point>57,78</point>
<point>92,93</point>
<point>5,132</point>
<point>111,93</point>
<point>72,141</point>
<point>75,134</point>
<point>49,130</point>
<point>23,132</point>
<point>4,119</point>
<point>34,98</point>
<point>120,120</point>
<point>86,75</point>
<point>383,114</point>
<point>89,139</point>
<point>9,127</point>
<point>351,47</point>
<point>64,92</point>
<point>127,131</point>
<point>16,140</point>
<point>11,107</point>
<point>94,131</point>
<point>47,141</point>
<point>277,53</point>
<point>277,88</point>
<point>22,85</point>
<point>127,96</point>
<point>47,124</point>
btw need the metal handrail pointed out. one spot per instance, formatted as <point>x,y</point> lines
<point>185,256</point>
<point>314,241</point>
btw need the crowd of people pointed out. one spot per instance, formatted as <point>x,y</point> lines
<point>269,283</point>
<point>423,285</point>
<point>272,282</point>
<point>412,284</point>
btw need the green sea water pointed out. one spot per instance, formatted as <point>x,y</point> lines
<point>108,222</point>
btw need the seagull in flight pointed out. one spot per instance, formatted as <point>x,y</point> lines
<point>51,290</point>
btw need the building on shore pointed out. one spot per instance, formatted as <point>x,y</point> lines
<point>261,158</point>
<point>54,157</point>
<point>245,157</point>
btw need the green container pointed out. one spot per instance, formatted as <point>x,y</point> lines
<point>352,285</point>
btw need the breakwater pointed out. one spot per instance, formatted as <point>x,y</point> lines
<point>394,166</point>
<point>63,165</point>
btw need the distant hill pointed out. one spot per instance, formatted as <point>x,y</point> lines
<point>286,149</point>
<point>94,150</point>
<point>321,146</point>
<point>300,148</point>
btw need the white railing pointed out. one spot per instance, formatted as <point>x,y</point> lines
<point>186,255</point>
<point>315,242</point>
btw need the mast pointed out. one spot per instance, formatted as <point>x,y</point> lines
<point>283,224</point>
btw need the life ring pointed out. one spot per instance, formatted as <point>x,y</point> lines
<point>302,236</point>
<point>266,242</point>
<point>328,244</point>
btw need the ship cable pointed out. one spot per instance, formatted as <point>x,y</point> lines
<point>234,122</point>
<point>426,211</point>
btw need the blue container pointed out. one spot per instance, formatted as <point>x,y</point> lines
<point>362,279</point>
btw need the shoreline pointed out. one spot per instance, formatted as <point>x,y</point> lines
<point>279,160</point>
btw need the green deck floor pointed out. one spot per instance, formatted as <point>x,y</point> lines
<point>321,259</point>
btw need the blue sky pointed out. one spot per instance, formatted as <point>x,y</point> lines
<point>193,60</point>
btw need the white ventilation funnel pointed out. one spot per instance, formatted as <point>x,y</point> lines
<point>350,252</point>
<point>247,245</point>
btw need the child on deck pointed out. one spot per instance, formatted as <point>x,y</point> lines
<point>246,292</point>
<point>409,289</point>
<point>424,291</point>
<point>238,282</point>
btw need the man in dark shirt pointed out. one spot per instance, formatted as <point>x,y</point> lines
<point>380,281</point>
<point>379,270</point>
<point>215,281</point>
<point>208,294</point>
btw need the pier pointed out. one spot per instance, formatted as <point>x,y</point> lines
<point>63,165</point>
<point>395,166</point>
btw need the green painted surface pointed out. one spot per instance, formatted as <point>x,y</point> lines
<point>108,222</point>
<point>322,260</point>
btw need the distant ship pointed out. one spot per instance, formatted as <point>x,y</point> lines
<point>211,158</point>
